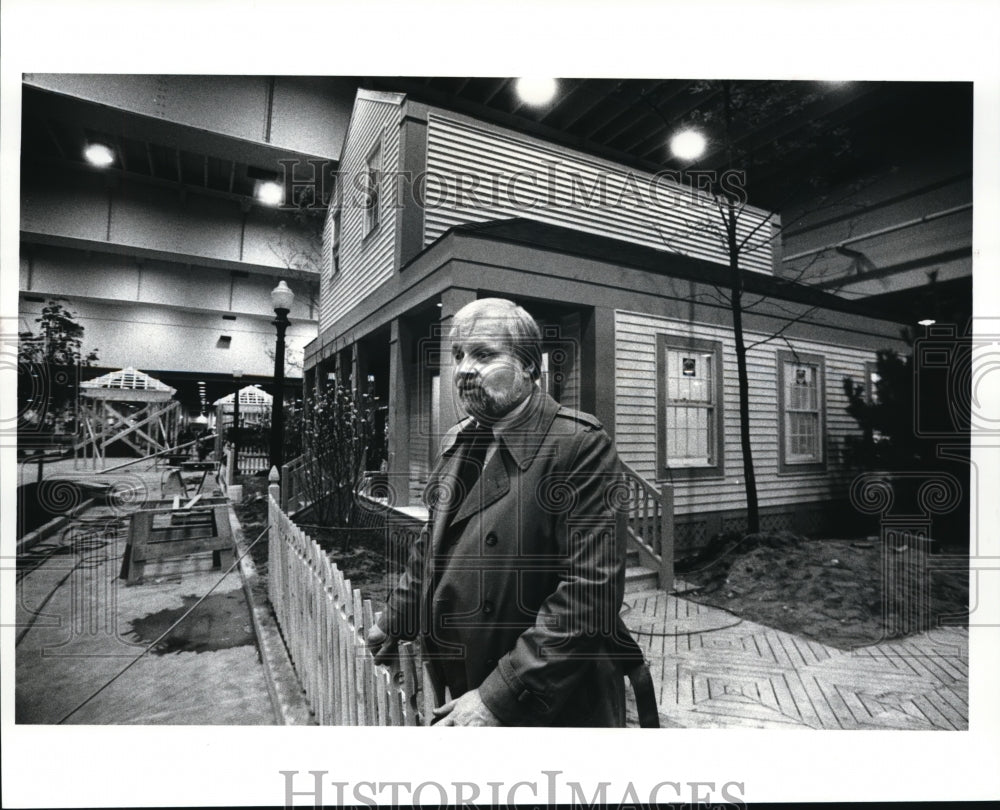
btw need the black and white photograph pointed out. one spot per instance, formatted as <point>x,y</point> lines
<point>641,409</point>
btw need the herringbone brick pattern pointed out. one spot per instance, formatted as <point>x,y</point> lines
<point>714,670</point>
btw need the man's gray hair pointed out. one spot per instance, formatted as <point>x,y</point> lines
<point>506,322</point>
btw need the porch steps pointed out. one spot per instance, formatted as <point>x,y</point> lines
<point>637,577</point>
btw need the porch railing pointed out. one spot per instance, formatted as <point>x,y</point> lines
<point>294,494</point>
<point>649,518</point>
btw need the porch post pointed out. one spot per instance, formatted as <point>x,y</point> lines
<point>597,384</point>
<point>399,421</point>
<point>666,572</point>
<point>357,384</point>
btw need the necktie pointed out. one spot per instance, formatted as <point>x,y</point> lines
<point>475,441</point>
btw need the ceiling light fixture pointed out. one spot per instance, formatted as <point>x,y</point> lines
<point>688,144</point>
<point>269,192</point>
<point>536,91</point>
<point>99,155</point>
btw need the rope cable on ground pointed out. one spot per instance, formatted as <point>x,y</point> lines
<point>164,634</point>
<point>696,632</point>
<point>43,552</point>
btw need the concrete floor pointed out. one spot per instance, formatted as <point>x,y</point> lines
<point>79,625</point>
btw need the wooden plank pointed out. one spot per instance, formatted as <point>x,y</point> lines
<point>934,716</point>
<point>357,648</point>
<point>383,685</point>
<point>408,669</point>
<point>347,651</point>
<point>341,711</point>
<point>370,678</point>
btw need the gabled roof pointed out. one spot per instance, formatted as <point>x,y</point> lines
<point>249,396</point>
<point>128,379</point>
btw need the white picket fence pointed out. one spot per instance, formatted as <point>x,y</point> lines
<point>324,621</point>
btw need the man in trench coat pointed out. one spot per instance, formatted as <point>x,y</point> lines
<point>515,589</point>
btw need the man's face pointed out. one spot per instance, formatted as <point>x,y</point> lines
<point>489,378</point>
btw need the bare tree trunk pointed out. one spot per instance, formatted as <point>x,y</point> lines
<point>736,305</point>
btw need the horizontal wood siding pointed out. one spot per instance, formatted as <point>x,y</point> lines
<point>476,174</point>
<point>635,415</point>
<point>365,261</point>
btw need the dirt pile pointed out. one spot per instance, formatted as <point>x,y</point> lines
<point>829,590</point>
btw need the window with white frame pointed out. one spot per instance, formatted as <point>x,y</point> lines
<point>689,407</point>
<point>373,187</point>
<point>801,405</point>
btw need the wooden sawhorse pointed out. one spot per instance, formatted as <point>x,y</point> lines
<point>167,532</point>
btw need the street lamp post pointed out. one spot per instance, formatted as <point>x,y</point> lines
<point>281,300</point>
<point>237,376</point>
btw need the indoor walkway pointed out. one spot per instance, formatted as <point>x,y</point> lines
<point>714,670</point>
<point>79,625</point>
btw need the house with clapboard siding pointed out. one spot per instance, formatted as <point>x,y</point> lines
<point>623,271</point>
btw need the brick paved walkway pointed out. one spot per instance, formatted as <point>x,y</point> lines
<point>714,670</point>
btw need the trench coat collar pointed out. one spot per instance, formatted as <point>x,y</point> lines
<point>523,436</point>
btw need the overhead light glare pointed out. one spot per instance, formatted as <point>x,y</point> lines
<point>927,322</point>
<point>269,193</point>
<point>688,144</point>
<point>536,91</point>
<point>97,154</point>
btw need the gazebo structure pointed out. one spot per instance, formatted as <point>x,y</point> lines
<point>254,412</point>
<point>127,407</point>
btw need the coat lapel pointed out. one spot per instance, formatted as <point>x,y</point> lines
<point>491,486</point>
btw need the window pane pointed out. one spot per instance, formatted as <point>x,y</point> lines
<point>801,385</point>
<point>689,376</point>
<point>802,436</point>
<point>690,408</point>
<point>689,436</point>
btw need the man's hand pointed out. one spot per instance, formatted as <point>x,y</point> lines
<point>467,710</point>
<point>382,646</point>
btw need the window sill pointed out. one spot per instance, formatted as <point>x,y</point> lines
<point>675,474</point>
<point>805,468</point>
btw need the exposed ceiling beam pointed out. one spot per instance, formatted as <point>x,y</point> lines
<point>670,118</point>
<point>590,98</point>
<point>141,178</point>
<point>152,254</point>
<point>493,94</point>
<point>55,140</point>
<point>564,100</point>
<point>120,148</point>
<point>106,119</point>
<point>595,110</point>
<point>752,137</point>
<point>633,112</point>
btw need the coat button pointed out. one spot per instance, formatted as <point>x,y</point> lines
<point>491,539</point>
<point>487,606</point>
